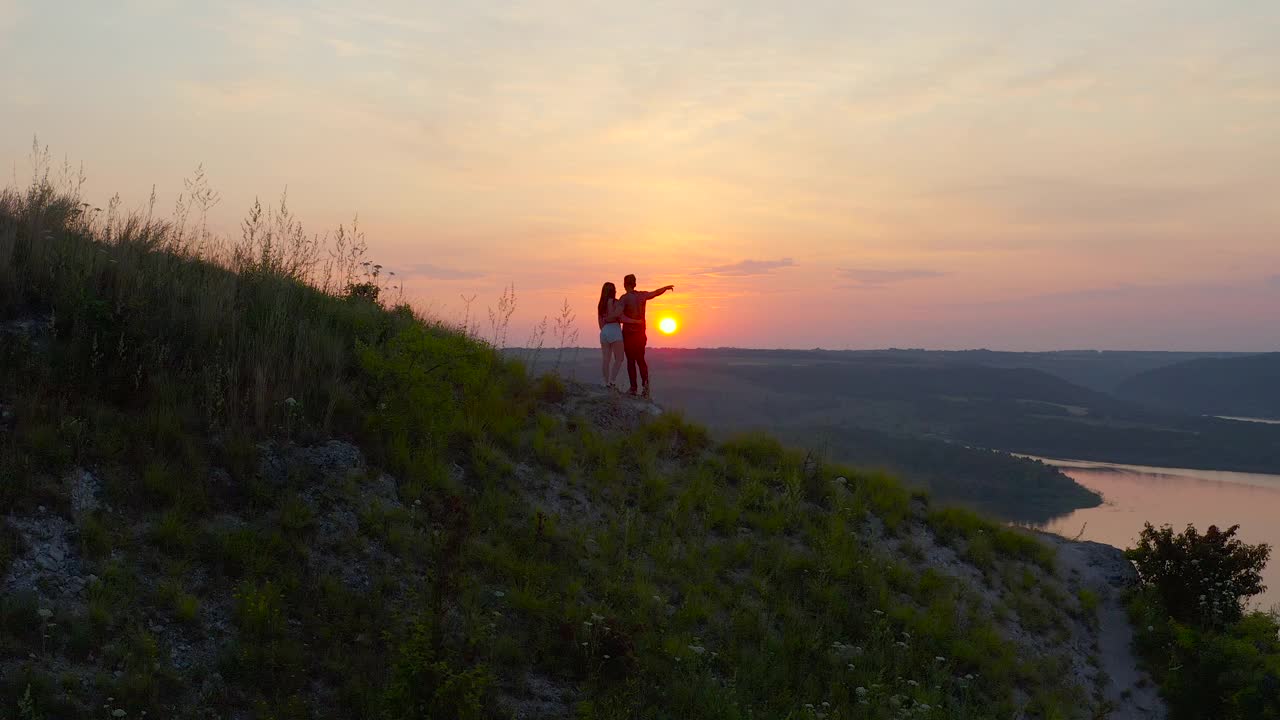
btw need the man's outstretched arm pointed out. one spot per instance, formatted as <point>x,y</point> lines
<point>655,293</point>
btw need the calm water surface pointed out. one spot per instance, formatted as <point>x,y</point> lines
<point>1134,494</point>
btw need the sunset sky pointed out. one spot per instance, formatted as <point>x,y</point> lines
<point>843,174</point>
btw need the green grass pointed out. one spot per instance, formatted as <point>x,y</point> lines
<point>677,577</point>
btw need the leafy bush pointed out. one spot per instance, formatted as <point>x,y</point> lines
<point>423,685</point>
<point>1210,659</point>
<point>1201,579</point>
<point>1231,673</point>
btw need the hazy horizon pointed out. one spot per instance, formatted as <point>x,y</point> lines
<point>840,175</point>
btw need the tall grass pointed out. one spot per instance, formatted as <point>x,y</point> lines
<point>253,329</point>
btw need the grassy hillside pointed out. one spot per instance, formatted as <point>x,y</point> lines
<point>1240,386</point>
<point>235,484</point>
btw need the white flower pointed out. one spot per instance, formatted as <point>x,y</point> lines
<point>697,649</point>
<point>913,683</point>
<point>46,613</point>
<point>860,690</point>
<point>119,713</point>
<point>939,658</point>
<point>499,593</point>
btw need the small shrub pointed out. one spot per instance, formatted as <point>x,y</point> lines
<point>551,389</point>
<point>1088,602</point>
<point>95,538</point>
<point>423,685</point>
<point>1200,579</point>
<point>10,546</point>
<point>173,534</point>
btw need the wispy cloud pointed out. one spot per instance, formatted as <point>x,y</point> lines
<point>749,267</point>
<point>1274,280</point>
<point>866,277</point>
<point>437,272</point>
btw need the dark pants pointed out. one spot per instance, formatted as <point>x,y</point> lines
<point>633,343</point>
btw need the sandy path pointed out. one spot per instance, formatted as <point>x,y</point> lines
<point>1102,569</point>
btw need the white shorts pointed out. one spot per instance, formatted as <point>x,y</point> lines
<point>610,334</point>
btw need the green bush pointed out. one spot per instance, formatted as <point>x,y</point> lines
<point>1230,673</point>
<point>423,685</point>
<point>1201,579</point>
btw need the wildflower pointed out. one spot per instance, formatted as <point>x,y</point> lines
<point>939,658</point>
<point>606,657</point>
<point>878,612</point>
<point>499,594</point>
<point>860,691</point>
<point>287,401</point>
<point>697,649</point>
<point>913,683</point>
<point>118,713</point>
<point>46,613</point>
<point>596,617</point>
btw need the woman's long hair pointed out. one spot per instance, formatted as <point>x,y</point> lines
<point>607,293</point>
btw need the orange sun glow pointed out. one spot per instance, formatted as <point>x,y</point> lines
<point>667,325</point>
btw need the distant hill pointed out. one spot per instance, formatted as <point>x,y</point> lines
<point>959,399</point>
<point>1102,370</point>
<point>1242,386</point>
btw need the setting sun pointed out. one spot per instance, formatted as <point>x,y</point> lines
<point>667,325</point>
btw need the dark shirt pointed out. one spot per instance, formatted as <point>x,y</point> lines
<point>633,307</point>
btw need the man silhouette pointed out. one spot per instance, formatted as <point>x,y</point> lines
<point>634,338</point>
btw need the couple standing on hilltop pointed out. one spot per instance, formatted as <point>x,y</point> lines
<point>622,331</point>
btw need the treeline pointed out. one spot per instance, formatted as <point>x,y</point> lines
<point>1013,488</point>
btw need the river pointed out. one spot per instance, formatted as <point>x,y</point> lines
<point>1134,494</point>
